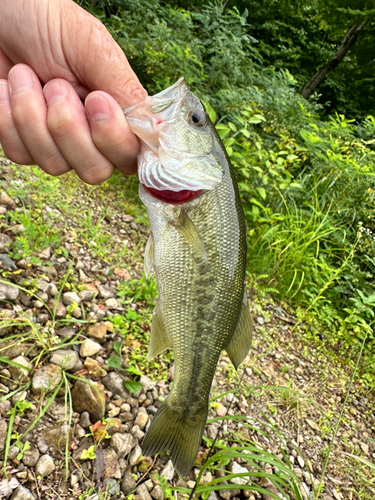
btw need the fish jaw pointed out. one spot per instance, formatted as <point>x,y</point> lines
<point>177,142</point>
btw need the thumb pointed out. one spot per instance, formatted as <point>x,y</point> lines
<point>96,59</point>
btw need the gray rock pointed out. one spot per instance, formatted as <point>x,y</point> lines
<point>137,433</point>
<point>141,419</point>
<point>143,492</point>
<point>135,455</point>
<point>7,201</point>
<point>89,397</point>
<point>85,421</point>
<point>8,291</point>
<point>7,262</point>
<point>4,407</point>
<point>89,348</point>
<point>274,490</point>
<point>128,483</point>
<point>168,471</point>
<point>112,487</point>
<point>212,496</point>
<point>5,242</point>
<point>111,463</point>
<point>44,466</point>
<point>60,311</point>
<point>236,468</point>
<point>7,486</point>
<point>98,332</point>
<point>22,493</point>
<point>86,295</point>
<point>147,383</point>
<point>115,383</point>
<point>42,445</point>
<point>69,298</point>
<point>65,358</point>
<point>3,433</point>
<point>31,456</point>
<point>122,444</point>
<point>106,292</point>
<point>157,493</point>
<point>67,332</point>
<point>46,379</point>
<point>55,437</point>
<point>18,373</point>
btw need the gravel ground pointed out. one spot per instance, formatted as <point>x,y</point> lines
<point>55,376</point>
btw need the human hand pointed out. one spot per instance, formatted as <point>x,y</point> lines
<point>59,45</point>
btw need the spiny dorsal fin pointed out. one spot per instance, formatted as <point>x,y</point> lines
<point>190,232</point>
<point>240,342</point>
<point>159,340</point>
<point>149,256</point>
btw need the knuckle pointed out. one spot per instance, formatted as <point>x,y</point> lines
<point>95,173</point>
<point>61,125</point>
<point>17,155</point>
<point>54,164</point>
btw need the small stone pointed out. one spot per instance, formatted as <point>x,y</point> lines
<point>260,320</point>
<point>56,436</point>
<point>148,384</point>
<point>45,254</point>
<point>157,493</point>
<point>86,295</point>
<point>111,303</point>
<point>113,412</point>
<point>83,278</point>
<point>98,332</point>
<point>3,210</point>
<point>365,448</point>
<point>274,490</point>
<point>18,373</point>
<point>128,483</point>
<point>22,493</point>
<point>60,309</point>
<point>89,348</point>
<point>111,463</point>
<point>106,292</point>
<point>312,424</point>
<point>8,291</point>
<point>70,298</point>
<point>46,379</point>
<point>7,262</point>
<point>236,468</point>
<point>141,419</point>
<point>90,398</point>
<point>301,461</point>
<point>31,456</point>
<point>168,471</point>
<point>66,359</point>
<point>143,492</point>
<point>221,410</point>
<point>3,433</point>
<point>135,455</point>
<point>7,201</point>
<point>66,332</point>
<point>115,384</point>
<point>5,243</point>
<point>44,466</point>
<point>85,420</point>
<point>122,444</point>
<point>94,369</point>
<point>137,433</point>
<point>112,487</point>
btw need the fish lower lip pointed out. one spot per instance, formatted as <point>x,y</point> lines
<point>173,197</point>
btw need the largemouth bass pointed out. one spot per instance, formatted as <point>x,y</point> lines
<point>197,248</point>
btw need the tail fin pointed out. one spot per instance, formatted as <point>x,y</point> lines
<point>174,431</point>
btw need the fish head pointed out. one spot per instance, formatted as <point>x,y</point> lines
<point>177,159</point>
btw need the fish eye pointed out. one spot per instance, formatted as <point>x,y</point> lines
<point>197,117</point>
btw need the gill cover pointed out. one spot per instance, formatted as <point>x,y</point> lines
<point>178,143</point>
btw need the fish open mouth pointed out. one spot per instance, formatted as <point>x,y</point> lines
<point>173,197</point>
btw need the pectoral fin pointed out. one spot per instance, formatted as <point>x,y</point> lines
<point>149,256</point>
<point>159,340</point>
<point>240,342</point>
<point>188,230</point>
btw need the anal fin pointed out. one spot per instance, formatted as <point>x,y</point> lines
<point>240,342</point>
<point>159,340</point>
<point>188,230</point>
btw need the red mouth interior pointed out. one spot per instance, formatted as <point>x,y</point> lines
<point>173,197</point>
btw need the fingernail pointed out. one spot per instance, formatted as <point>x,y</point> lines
<point>138,94</point>
<point>20,78</point>
<point>97,107</point>
<point>4,92</point>
<point>54,92</point>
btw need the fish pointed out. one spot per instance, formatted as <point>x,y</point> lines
<point>197,248</point>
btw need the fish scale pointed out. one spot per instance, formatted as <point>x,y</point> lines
<point>199,257</point>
